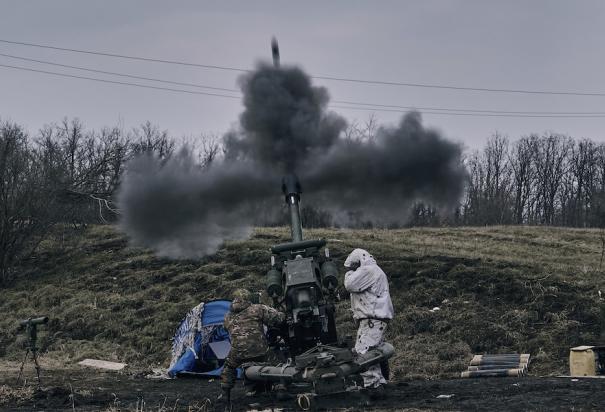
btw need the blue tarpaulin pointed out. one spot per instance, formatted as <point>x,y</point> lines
<point>201,343</point>
<point>214,312</point>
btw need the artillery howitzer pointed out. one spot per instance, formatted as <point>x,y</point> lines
<point>302,282</point>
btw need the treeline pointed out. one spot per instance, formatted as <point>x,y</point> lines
<point>67,175</point>
<point>62,175</point>
<point>548,179</point>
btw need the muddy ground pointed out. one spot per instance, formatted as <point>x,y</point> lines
<point>86,390</point>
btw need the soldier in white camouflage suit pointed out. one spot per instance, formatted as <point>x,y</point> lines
<point>371,306</point>
<point>245,324</point>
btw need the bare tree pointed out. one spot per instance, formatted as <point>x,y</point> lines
<point>488,192</point>
<point>28,201</point>
<point>497,179</point>
<point>582,170</point>
<point>370,127</point>
<point>353,132</point>
<point>210,149</point>
<point>473,207</point>
<point>149,139</point>
<point>551,166</point>
<point>522,166</point>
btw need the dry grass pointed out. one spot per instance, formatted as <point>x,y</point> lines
<point>499,289</point>
<point>12,396</point>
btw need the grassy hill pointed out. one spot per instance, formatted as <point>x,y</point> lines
<point>502,289</point>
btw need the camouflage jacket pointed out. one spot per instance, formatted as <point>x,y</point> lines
<point>245,324</point>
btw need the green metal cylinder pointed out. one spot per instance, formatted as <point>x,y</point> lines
<point>274,283</point>
<point>330,275</point>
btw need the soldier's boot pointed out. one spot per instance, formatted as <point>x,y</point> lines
<point>377,393</point>
<point>224,400</point>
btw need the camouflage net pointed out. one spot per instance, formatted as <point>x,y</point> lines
<point>184,338</point>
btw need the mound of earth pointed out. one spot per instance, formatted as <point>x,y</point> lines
<point>456,291</point>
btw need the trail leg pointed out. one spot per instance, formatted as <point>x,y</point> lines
<point>37,367</point>
<point>22,365</point>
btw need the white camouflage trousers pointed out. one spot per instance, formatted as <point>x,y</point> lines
<point>370,334</point>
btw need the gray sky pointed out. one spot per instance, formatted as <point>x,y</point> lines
<point>537,45</point>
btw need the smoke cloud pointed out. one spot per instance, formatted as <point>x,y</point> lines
<point>381,178</point>
<point>285,121</point>
<point>182,210</point>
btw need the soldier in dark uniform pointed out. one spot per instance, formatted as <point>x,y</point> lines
<point>245,324</point>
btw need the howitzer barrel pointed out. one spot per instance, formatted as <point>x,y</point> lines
<point>291,189</point>
<point>312,373</point>
<point>296,228</point>
<point>34,321</point>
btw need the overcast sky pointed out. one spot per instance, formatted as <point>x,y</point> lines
<point>536,45</point>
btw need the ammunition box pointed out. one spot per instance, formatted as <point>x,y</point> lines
<point>587,361</point>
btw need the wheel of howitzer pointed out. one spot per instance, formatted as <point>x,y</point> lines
<point>306,401</point>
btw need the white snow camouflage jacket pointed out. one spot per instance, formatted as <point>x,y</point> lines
<point>369,288</point>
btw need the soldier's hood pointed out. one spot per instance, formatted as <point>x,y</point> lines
<point>238,305</point>
<point>360,256</point>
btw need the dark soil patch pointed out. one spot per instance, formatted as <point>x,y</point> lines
<point>87,390</point>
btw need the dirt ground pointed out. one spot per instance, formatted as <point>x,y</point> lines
<point>87,390</point>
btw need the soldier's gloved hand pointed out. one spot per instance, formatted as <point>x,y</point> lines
<point>255,298</point>
<point>343,293</point>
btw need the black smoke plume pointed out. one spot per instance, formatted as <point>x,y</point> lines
<point>285,121</point>
<point>383,177</point>
<point>182,210</point>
